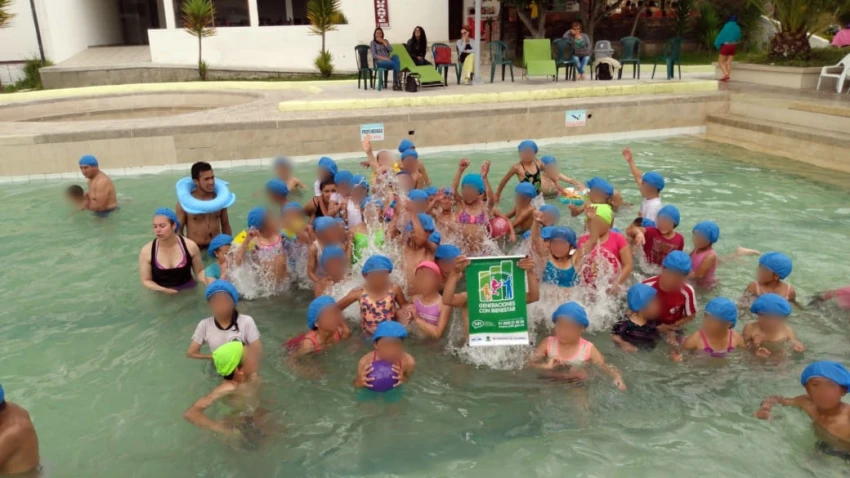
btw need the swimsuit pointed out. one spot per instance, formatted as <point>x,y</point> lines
<point>716,353</point>
<point>644,337</point>
<point>697,259</point>
<point>560,277</point>
<point>534,179</point>
<point>266,252</point>
<point>787,291</point>
<point>428,313</point>
<point>582,354</point>
<point>465,218</point>
<point>295,342</point>
<point>180,276</point>
<point>373,312</point>
<point>105,212</point>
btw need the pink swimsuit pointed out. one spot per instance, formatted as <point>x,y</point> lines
<point>465,218</point>
<point>428,313</point>
<point>706,347</point>
<point>697,258</point>
<point>582,354</point>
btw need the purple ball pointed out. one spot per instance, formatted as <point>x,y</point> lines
<point>382,372</point>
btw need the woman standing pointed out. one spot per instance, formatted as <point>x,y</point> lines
<point>417,46</point>
<point>381,50</point>
<point>581,47</point>
<point>167,262</point>
<point>727,42</point>
<point>466,54</point>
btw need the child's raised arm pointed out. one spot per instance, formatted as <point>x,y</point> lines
<point>449,297</point>
<point>527,264</point>
<point>371,161</point>
<point>350,298</point>
<point>627,153</point>
<point>537,245</point>
<point>504,181</point>
<point>461,167</point>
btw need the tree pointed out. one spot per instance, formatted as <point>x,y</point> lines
<point>199,21</point>
<point>6,17</point>
<point>324,16</point>
<point>683,10</point>
<point>596,11</point>
<point>798,20</point>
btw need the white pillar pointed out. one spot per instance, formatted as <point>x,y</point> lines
<point>170,22</point>
<point>253,13</point>
<point>478,34</point>
<point>289,13</point>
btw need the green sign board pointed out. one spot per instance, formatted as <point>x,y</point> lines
<point>498,312</point>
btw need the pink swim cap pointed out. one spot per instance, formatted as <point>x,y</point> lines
<point>429,265</point>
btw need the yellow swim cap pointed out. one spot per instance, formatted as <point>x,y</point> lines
<point>227,357</point>
<point>605,212</point>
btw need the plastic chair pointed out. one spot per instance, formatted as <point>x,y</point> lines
<point>630,55</point>
<point>382,74</point>
<point>537,55</point>
<point>672,53</point>
<point>363,70</point>
<point>602,50</point>
<point>839,71</point>
<point>444,67</point>
<point>500,55</point>
<point>563,53</point>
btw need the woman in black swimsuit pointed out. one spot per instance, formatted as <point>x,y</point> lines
<point>167,262</point>
<point>324,205</point>
<point>527,170</point>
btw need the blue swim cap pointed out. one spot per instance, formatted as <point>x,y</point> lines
<point>281,161</point>
<point>723,309</point>
<point>825,368</point>
<point>292,205</point>
<point>563,233</point>
<point>435,237</point>
<point>425,220</point>
<point>647,223</point>
<point>526,235</point>
<point>405,145</point>
<point>221,285</point>
<point>654,179</point>
<point>546,232</point>
<point>391,329</point>
<point>776,262</point>
<point>671,212</point>
<point>447,252</point>
<point>377,263</point>
<point>417,195</point>
<point>572,311</point>
<point>547,160</point>
<point>410,153</point>
<point>431,191</point>
<point>344,177</point>
<point>708,230</point>
<point>360,181</point>
<point>771,304</point>
<point>639,296</point>
<point>551,210</point>
<point>164,211</point>
<point>677,261</point>
<point>526,189</point>
<point>316,308</point>
<point>329,165</point>
<point>256,217</point>
<point>474,180</point>
<point>88,160</point>
<point>330,253</point>
<point>277,186</point>
<point>2,394</point>
<point>527,145</point>
<point>601,184</point>
<point>372,200</point>
<point>322,224</point>
<point>218,242</point>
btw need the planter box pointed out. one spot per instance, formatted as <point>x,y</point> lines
<point>782,76</point>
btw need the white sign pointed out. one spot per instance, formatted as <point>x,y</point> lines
<point>374,130</point>
<point>576,118</point>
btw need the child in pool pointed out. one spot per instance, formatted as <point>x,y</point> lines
<point>410,165</point>
<point>338,202</point>
<point>389,347</point>
<point>419,200</point>
<point>677,298</point>
<point>551,215</point>
<point>716,336</point>
<point>369,232</point>
<point>277,193</point>
<point>427,311</point>
<point>444,257</point>
<point>405,182</point>
<point>522,215</point>
<point>600,192</point>
<point>76,196</point>
<point>527,170</point>
<point>378,297</point>
<point>334,264</point>
<point>326,235</point>
<point>603,248</point>
<point>841,297</point>
<point>703,258</point>
<point>219,247</point>
<point>639,329</point>
<point>659,240</point>
<point>826,382</point>
<point>265,243</point>
<point>406,145</point>
<point>325,172</point>
<point>382,165</point>
<point>650,184</point>
<point>771,330</point>
<point>475,198</point>
<point>559,268</point>
<point>552,177</point>
<point>417,246</point>
<point>283,171</point>
<point>293,224</point>
<point>326,327</point>
<point>567,347</point>
<point>444,215</point>
<point>774,268</point>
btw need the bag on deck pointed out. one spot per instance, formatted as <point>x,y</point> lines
<point>412,83</point>
<point>603,72</point>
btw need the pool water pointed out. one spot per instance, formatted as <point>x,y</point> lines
<point>99,361</point>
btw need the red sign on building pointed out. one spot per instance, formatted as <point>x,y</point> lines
<point>382,13</point>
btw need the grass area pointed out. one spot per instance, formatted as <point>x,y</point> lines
<point>819,57</point>
<point>32,78</point>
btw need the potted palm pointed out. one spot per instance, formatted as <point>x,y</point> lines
<point>324,16</point>
<point>199,21</point>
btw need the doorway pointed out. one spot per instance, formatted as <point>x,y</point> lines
<point>455,18</point>
<point>137,16</point>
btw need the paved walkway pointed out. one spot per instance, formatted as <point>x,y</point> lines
<point>109,56</point>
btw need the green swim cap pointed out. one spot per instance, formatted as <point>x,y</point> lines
<point>605,212</point>
<point>227,357</point>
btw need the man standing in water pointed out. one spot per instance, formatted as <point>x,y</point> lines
<point>202,228</point>
<point>18,441</point>
<point>101,198</point>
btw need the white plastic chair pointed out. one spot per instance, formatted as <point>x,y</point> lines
<point>603,49</point>
<point>839,72</point>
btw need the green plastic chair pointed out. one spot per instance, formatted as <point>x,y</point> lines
<point>444,67</point>
<point>672,53</point>
<point>500,55</point>
<point>382,74</point>
<point>537,55</point>
<point>563,52</point>
<point>428,75</point>
<point>363,70</point>
<point>630,55</point>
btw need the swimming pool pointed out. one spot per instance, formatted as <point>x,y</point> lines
<point>99,361</point>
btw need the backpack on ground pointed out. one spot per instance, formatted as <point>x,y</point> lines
<point>412,84</point>
<point>603,72</point>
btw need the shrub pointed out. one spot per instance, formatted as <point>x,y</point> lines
<point>324,63</point>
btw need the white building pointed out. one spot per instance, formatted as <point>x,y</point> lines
<point>250,33</point>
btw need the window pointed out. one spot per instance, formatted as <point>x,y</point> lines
<point>282,12</point>
<point>228,13</point>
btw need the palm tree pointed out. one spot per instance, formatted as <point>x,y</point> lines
<point>798,20</point>
<point>324,16</point>
<point>199,21</point>
<point>6,16</point>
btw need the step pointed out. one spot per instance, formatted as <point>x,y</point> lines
<point>824,149</point>
<point>807,114</point>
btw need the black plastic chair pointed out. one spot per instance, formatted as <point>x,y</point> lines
<point>563,53</point>
<point>630,55</point>
<point>363,70</point>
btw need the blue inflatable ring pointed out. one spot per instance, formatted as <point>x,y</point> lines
<point>223,197</point>
<point>574,201</point>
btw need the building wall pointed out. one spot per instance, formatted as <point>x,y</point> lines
<point>70,26</point>
<point>17,42</point>
<point>405,15</point>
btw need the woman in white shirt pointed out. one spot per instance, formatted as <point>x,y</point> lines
<point>225,325</point>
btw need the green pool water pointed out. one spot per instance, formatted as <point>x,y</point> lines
<point>99,361</point>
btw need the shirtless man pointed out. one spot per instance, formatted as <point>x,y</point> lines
<point>202,228</point>
<point>18,440</point>
<point>101,198</point>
